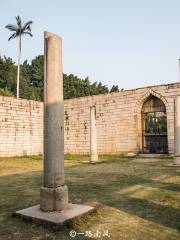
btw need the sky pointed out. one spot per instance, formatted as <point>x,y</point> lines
<point>129,43</point>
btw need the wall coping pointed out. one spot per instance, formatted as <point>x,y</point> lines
<point>96,96</point>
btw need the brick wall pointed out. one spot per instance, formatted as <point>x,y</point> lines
<point>118,122</point>
<point>20,127</point>
<point>118,119</point>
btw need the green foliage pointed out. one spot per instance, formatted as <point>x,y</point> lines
<point>7,74</point>
<point>5,92</point>
<point>19,29</point>
<point>32,81</point>
<point>114,88</point>
<point>77,87</point>
<point>155,125</point>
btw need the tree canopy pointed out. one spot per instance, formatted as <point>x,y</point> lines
<point>32,79</point>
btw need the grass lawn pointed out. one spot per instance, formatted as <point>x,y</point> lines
<point>135,198</point>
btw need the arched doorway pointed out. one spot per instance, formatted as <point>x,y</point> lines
<point>154,126</point>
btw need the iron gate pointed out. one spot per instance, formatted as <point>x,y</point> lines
<point>154,126</point>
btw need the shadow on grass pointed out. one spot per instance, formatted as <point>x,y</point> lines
<point>104,188</point>
<point>165,215</point>
<point>95,183</point>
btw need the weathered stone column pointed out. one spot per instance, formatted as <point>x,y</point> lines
<point>93,135</point>
<point>177,131</point>
<point>54,194</point>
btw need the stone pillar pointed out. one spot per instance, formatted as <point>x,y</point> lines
<point>53,194</point>
<point>177,131</point>
<point>93,135</point>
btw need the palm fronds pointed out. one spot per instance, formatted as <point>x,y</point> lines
<point>11,27</point>
<point>14,35</point>
<point>20,28</point>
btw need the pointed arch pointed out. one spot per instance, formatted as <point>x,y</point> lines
<point>137,113</point>
<point>143,99</point>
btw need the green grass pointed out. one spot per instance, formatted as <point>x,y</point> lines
<point>136,199</point>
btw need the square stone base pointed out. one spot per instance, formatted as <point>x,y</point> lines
<point>58,218</point>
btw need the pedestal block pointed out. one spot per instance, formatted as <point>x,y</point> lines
<point>53,199</point>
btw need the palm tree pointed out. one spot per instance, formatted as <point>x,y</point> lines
<point>19,30</point>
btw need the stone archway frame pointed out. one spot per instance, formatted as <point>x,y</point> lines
<point>137,114</point>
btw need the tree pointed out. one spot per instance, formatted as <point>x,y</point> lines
<point>32,81</point>
<point>7,74</point>
<point>5,92</point>
<point>26,89</point>
<point>37,75</point>
<point>19,30</point>
<point>114,88</point>
<point>77,87</point>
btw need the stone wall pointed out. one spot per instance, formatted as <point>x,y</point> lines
<point>118,119</point>
<point>20,127</point>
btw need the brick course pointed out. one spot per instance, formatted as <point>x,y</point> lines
<point>118,122</point>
